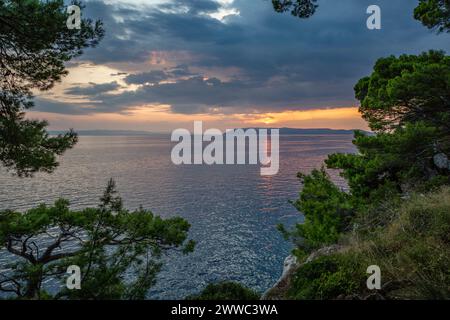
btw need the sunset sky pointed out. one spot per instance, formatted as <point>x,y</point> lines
<point>231,63</point>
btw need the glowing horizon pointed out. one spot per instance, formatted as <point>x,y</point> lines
<point>160,120</point>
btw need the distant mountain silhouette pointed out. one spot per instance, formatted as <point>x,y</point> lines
<point>283,131</point>
<point>315,131</point>
<point>109,133</point>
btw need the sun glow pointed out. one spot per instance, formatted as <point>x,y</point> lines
<point>302,115</point>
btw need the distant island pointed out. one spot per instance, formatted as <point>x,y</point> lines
<point>283,131</point>
<point>286,131</point>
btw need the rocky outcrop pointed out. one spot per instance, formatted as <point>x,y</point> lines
<point>291,265</point>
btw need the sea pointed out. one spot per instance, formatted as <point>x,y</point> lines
<point>232,209</point>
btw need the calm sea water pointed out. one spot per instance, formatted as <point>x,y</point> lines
<point>233,209</point>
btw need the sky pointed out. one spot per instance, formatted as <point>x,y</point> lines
<point>164,64</point>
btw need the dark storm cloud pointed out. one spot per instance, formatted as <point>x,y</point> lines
<point>46,105</point>
<point>181,71</point>
<point>284,63</point>
<point>156,76</point>
<point>200,95</point>
<point>93,89</point>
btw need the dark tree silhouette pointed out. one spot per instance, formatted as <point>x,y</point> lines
<point>34,45</point>
<point>298,8</point>
<point>407,89</point>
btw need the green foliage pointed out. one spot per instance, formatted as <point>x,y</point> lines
<point>26,147</point>
<point>107,243</point>
<point>434,14</point>
<point>226,291</point>
<point>328,277</point>
<point>34,45</point>
<point>406,100</point>
<point>391,164</point>
<point>412,251</point>
<point>298,8</point>
<point>327,211</point>
<point>407,89</point>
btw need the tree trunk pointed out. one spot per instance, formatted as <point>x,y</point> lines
<point>34,285</point>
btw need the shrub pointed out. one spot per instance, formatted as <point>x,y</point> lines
<point>226,291</point>
<point>327,212</point>
<point>412,250</point>
<point>328,277</point>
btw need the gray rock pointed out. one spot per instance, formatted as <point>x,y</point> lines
<point>277,291</point>
<point>441,161</point>
<point>289,263</point>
